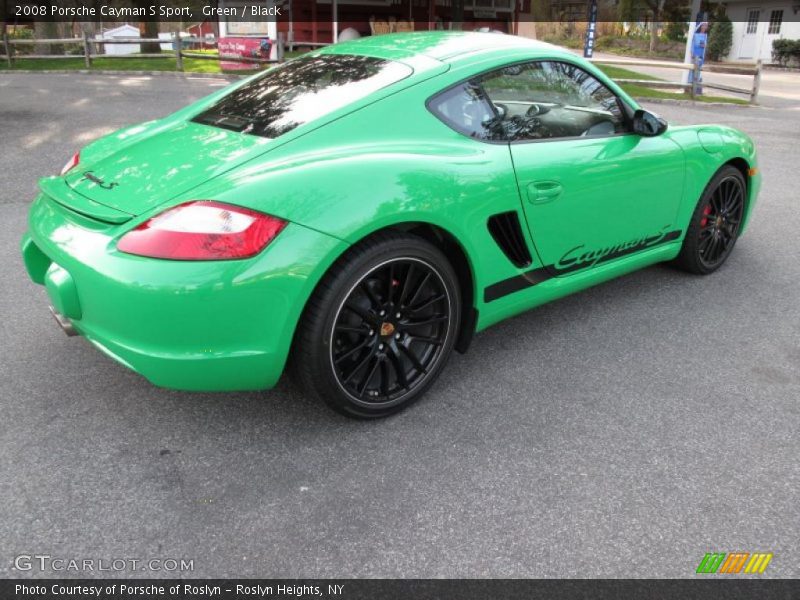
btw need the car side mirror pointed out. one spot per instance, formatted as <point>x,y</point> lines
<point>648,124</point>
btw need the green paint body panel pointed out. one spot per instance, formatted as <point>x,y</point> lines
<point>215,325</point>
<point>382,161</point>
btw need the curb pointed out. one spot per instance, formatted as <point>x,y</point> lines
<point>782,69</point>
<point>679,102</point>
<point>182,75</point>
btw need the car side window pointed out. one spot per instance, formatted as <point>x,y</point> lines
<point>550,99</point>
<point>466,109</point>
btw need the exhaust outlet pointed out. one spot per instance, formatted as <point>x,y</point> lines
<point>63,322</point>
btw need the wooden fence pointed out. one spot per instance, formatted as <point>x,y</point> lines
<point>90,49</point>
<point>692,88</point>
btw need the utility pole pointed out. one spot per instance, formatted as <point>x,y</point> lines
<point>687,57</point>
<point>335,9</point>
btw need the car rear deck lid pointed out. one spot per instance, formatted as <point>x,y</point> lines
<point>136,178</point>
<point>58,190</point>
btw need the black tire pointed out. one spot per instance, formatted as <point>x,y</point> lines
<point>714,227</point>
<point>353,351</point>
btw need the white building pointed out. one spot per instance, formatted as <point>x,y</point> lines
<point>170,39</point>
<point>123,31</point>
<point>757,23</point>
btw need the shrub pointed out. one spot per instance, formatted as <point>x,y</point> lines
<point>675,31</point>
<point>720,38</point>
<point>633,45</point>
<point>676,15</point>
<point>21,33</point>
<point>785,51</point>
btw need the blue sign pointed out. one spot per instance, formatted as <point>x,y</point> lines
<point>591,30</point>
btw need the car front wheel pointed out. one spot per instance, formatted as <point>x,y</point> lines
<point>379,328</point>
<point>715,224</point>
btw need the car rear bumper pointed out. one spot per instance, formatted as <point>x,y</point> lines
<point>210,326</point>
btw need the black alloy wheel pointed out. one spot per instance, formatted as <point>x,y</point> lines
<point>719,224</point>
<point>380,326</point>
<point>390,330</point>
<point>715,224</point>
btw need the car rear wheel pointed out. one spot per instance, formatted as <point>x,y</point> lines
<point>715,224</point>
<point>379,328</point>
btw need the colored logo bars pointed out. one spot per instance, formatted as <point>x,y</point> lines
<point>734,562</point>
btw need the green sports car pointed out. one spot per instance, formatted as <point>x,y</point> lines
<point>361,211</point>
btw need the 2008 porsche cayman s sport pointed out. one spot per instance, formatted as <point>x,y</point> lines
<point>359,212</point>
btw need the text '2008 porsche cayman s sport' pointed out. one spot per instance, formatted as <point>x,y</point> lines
<point>359,212</point>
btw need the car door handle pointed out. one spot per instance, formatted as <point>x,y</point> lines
<point>540,192</point>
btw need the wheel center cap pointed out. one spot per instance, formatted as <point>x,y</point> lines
<point>719,221</point>
<point>387,329</point>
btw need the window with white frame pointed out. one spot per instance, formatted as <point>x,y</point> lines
<point>775,21</point>
<point>752,21</point>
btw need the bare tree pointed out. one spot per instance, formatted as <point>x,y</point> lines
<point>656,8</point>
<point>629,9</point>
<point>44,30</point>
<point>150,31</point>
<point>457,14</point>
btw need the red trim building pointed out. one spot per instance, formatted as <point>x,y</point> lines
<point>311,22</point>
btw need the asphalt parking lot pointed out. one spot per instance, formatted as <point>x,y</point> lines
<point>621,432</point>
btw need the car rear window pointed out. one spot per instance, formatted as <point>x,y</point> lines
<point>300,91</point>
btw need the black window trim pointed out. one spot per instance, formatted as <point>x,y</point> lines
<point>626,109</point>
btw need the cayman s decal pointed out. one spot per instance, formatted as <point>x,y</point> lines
<point>95,179</point>
<point>574,260</point>
<point>578,258</point>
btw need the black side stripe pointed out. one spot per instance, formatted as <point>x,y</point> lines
<point>537,276</point>
<point>642,245</point>
<point>515,284</point>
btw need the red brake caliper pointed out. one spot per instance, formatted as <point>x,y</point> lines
<point>706,212</point>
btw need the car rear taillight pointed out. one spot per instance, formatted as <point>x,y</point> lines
<point>71,163</point>
<point>202,230</point>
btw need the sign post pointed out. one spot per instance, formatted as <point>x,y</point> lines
<point>591,30</point>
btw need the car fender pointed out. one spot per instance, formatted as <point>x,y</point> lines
<point>707,148</point>
<point>352,191</point>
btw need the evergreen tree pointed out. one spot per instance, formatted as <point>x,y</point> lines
<point>720,38</point>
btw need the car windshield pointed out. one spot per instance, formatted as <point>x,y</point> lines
<point>300,91</point>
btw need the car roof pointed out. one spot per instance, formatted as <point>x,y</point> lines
<point>443,46</point>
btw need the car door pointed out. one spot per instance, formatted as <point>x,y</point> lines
<point>591,190</point>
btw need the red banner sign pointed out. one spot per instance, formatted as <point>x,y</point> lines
<point>242,47</point>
